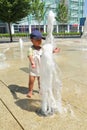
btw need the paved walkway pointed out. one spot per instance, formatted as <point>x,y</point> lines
<point>17,112</point>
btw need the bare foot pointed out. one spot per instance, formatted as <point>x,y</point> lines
<point>29,94</point>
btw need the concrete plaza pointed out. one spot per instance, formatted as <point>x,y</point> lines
<point>17,112</point>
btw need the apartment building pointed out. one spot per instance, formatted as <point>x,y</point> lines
<point>75,9</point>
<point>75,12</point>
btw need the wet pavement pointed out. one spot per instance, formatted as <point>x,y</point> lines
<point>17,112</point>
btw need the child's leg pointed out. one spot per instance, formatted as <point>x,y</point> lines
<point>31,84</point>
<point>38,78</point>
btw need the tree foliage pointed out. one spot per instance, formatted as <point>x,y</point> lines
<point>12,11</point>
<point>39,10</point>
<point>62,12</point>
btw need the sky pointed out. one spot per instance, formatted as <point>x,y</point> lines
<point>85,8</point>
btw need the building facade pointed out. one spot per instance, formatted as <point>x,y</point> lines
<point>75,9</point>
<point>3,27</point>
<point>75,12</point>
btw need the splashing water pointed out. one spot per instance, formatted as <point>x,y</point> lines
<point>49,75</point>
<point>21,43</point>
<point>3,63</point>
<point>21,47</point>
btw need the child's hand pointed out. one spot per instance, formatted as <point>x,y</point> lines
<point>56,50</point>
<point>33,65</point>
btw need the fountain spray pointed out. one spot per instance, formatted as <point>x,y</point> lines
<point>49,75</point>
<point>3,63</point>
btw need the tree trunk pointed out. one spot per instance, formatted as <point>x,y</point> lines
<point>11,40</point>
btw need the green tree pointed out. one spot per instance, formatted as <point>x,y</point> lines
<point>39,11</point>
<point>62,12</point>
<point>12,11</point>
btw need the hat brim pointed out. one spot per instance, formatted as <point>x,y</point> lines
<point>37,38</point>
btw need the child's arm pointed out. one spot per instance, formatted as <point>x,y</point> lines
<point>32,61</point>
<point>56,50</point>
<point>30,57</point>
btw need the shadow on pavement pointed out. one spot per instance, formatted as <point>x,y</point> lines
<point>25,69</point>
<point>28,104</point>
<point>25,104</point>
<point>17,89</point>
<point>14,89</point>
